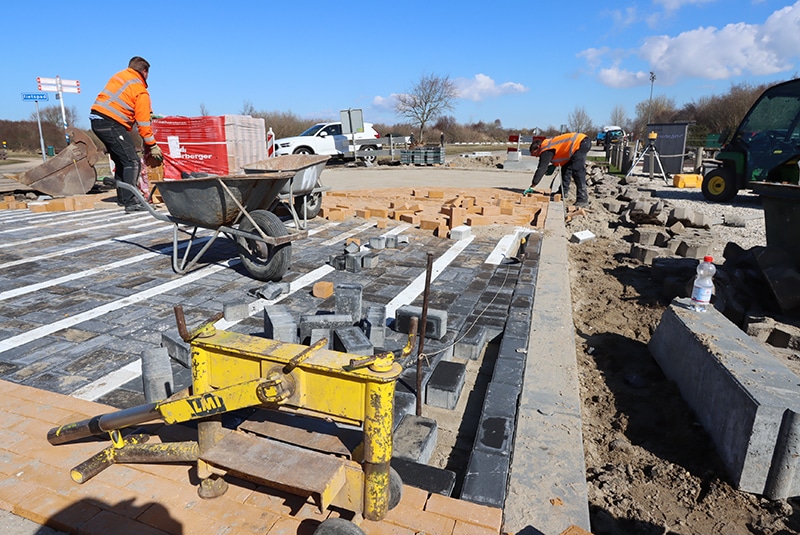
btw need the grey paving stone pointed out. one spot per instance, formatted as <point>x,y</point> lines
<point>445,384</point>
<point>435,325</point>
<point>415,438</point>
<point>351,340</point>
<point>485,480</point>
<point>279,324</point>
<point>422,476</point>
<point>347,297</point>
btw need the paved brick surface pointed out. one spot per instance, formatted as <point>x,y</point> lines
<point>83,295</point>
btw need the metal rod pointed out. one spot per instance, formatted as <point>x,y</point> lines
<point>423,322</point>
<point>99,425</point>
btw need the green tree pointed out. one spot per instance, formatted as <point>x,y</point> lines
<point>430,98</point>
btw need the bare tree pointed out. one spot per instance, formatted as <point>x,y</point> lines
<point>428,99</point>
<point>203,110</point>
<point>52,114</point>
<point>660,110</point>
<point>579,120</point>
<point>619,117</point>
<point>248,108</point>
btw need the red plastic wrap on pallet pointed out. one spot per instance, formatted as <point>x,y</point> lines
<point>192,145</point>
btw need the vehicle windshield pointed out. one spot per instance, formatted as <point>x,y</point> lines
<point>776,112</point>
<point>313,130</point>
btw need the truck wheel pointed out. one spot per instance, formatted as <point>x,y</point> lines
<point>719,185</point>
<point>313,203</point>
<point>370,158</point>
<point>264,262</point>
<point>303,150</point>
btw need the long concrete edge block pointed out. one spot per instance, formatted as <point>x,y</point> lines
<point>746,400</point>
<point>547,481</point>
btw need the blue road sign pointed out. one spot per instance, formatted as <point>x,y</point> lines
<point>34,96</point>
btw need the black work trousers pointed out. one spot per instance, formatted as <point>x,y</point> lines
<point>127,165</point>
<point>575,169</point>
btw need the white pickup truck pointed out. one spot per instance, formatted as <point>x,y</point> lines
<point>327,138</point>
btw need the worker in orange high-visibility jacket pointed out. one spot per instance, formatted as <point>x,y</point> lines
<point>123,102</point>
<point>569,152</point>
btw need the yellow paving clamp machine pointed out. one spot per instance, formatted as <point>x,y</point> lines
<point>289,385</point>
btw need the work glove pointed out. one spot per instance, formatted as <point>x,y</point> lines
<point>528,191</point>
<point>155,152</point>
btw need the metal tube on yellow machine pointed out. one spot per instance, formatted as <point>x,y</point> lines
<point>99,425</point>
<point>378,443</point>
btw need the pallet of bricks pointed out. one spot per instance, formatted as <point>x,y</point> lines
<point>427,155</point>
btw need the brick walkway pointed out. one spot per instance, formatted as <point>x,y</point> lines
<point>155,499</point>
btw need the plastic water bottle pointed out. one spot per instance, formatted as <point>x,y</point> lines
<point>703,284</point>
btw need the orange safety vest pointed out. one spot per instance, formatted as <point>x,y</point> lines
<point>125,100</point>
<point>565,146</point>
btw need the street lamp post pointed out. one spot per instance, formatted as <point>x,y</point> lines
<point>650,104</point>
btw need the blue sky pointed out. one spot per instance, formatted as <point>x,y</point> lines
<point>526,64</point>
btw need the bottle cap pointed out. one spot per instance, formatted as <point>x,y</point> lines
<point>708,259</point>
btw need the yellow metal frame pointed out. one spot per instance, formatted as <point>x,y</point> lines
<point>229,370</point>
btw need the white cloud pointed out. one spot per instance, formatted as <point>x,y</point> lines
<point>384,103</point>
<point>708,52</point>
<point>482,87</point>
<point>619,78</point>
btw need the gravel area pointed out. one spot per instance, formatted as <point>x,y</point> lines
<point>746,205</point>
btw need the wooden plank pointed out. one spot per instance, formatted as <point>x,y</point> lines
<point>281,466</point>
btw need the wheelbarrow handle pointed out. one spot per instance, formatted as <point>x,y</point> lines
<point>142,200</point>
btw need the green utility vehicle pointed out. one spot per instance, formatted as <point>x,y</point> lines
<point>765,147</point>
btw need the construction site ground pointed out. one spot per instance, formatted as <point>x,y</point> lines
<point>649,467</point>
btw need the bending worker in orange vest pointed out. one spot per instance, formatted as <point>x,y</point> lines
<point>122,102</point>
<point>569,152</point>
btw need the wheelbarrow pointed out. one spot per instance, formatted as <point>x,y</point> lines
<point>236,206</point>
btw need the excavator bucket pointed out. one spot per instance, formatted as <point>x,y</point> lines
<point>70,172</point>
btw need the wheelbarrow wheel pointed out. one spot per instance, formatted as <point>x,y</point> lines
<point>313,202</point>
<point>264,262</point>
<point>338,526</point>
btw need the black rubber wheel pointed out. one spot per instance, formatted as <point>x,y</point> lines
<point>303,150</point>
<point>719,185</point>
<point>338,526</point>
<point>368,159</point>
<point>395,488</point>
<point>264,262</point>
<point>312,206</point>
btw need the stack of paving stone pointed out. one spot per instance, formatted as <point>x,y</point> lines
<point>439,210</point>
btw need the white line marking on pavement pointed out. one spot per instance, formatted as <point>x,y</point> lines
<point>504,246</point>
<point>418,285</point>
<point>51,236</point>
<point>117,378</point>
<point>44,330</point>
<point>16,292</point>
<point>85,221</point>
<point>80,247</point>
<point>344,235</point>
<point>109,383</point>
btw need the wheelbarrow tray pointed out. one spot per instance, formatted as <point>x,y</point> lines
<point>306,169</point>
<point>204,202</point>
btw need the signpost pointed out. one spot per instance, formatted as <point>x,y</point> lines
<point>352,123</point>
<point>36,97</point>
<point>59,87</point>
